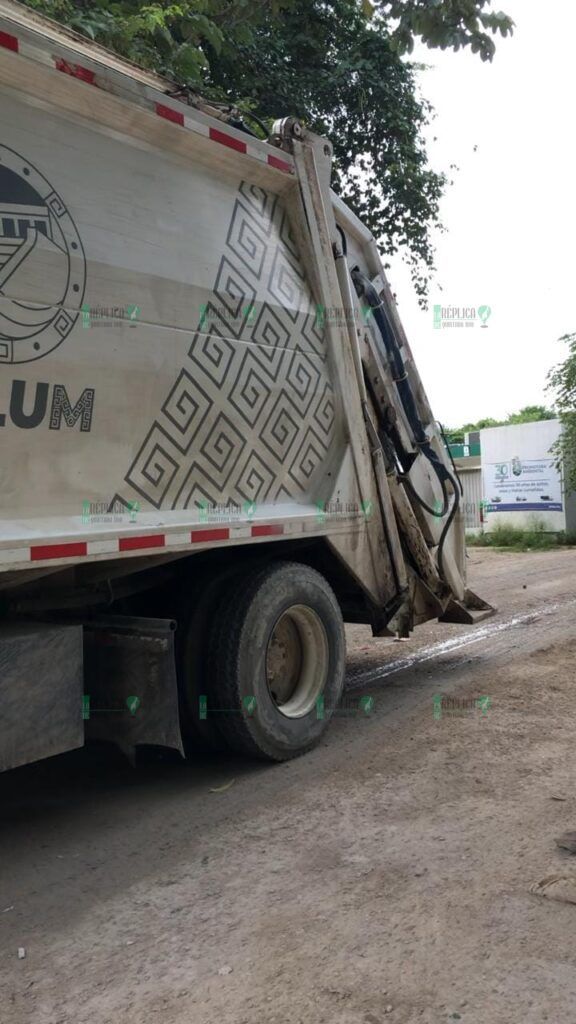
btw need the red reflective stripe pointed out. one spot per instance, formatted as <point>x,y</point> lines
<point>76,70</point>
<point>44,551</point>
<point>227,140</point>
<point>155,540</point>
<point>279,164</point>
<point>267,531</point>
<point>170,114</point>
<point>8,42</point>
<point>199,536</point>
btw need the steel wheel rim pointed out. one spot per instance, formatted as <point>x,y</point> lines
<point>297,661</point>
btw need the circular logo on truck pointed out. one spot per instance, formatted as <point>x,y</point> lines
<point>42,263</point>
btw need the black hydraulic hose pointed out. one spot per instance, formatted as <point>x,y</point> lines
<point>444,533</point>
<point>447,447</point>
<point>427,508</point>
<point>399,375</point>
<point>392,350</point>
<point>238,123</point>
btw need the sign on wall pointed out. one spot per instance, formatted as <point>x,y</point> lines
<point>522,485</point>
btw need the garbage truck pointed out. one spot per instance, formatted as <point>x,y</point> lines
<point>216,446</point>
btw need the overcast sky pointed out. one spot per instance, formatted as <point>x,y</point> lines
<point>510,216</point>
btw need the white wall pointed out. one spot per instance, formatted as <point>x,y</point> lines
<point>520,483</point>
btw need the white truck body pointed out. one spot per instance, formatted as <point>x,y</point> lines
<point>182,359</point>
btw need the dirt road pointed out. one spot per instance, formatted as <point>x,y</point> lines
<point>384,877</point>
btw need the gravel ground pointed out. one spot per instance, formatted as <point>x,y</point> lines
<point>384,877</point>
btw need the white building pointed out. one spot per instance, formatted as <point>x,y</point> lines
<point>521,485</point>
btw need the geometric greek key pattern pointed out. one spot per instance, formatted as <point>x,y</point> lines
<point>251,414</point>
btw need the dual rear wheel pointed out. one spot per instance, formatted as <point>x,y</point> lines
<point>261,662</point>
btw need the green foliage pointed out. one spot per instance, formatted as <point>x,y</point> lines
<point>331,68</point>
<point>538,538</point>
<point>528,414</point>
<point>448,24</point>
<point>531,414</point>
<point>335,64</point>
<point>170,38</point>
<point>562,384</point>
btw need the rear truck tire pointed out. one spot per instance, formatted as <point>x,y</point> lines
<point>195,614</point>
<point>277,654</point>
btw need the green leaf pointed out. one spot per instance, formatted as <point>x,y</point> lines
<point>189,60</point>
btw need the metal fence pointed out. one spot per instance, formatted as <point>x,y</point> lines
<point>472,486</point>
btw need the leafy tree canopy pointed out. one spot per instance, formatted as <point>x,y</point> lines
<point>562,384</point>
<point>529,414</point>
<point>335,64</point>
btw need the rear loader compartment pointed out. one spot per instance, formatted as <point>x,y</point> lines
<point>203,383</point>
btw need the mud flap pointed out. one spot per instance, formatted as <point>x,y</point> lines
<point>472,609</point>
<point>40,691</point>
<point>130,691</point>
